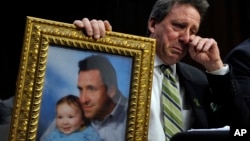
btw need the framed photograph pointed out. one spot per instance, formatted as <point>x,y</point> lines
<point>58,59</point>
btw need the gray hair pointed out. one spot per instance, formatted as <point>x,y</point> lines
<point>162,8</point>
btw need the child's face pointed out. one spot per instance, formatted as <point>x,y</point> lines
<point>68,118</point>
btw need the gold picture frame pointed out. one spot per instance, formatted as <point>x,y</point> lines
<point>42,35</point>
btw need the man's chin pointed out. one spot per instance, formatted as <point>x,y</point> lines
<point>88,115</point>
<point>176,57</point>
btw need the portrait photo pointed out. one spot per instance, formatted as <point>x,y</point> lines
<point>61,79</point>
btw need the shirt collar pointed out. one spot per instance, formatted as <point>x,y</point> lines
<point>120,107</point>
<point>159,62</point>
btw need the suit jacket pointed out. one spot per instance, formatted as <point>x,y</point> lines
<point>239,59</point>
<point>215,100</point>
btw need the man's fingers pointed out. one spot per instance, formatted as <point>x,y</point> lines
<point>210,43</point>
<point>205,44</point>
<point>201,44</point>
<point>95,28</point>
<point>107,25</point>
<point>84,23</point>
<point>101,28</point>
<point>78,23</point>
<point>87,25</point>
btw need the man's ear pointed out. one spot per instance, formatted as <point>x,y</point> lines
<point>151,25</point>
<point>111,91</point>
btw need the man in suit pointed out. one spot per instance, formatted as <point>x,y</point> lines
<point>208,99</point>
<point>239,59</point>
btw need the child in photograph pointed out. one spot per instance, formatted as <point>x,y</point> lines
<point>71,124</point>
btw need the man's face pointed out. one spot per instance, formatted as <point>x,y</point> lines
<point>69,118</point>
<point>174,31</point>
<point>94,97</point>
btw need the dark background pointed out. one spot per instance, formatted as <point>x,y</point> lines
<point>227,21</point>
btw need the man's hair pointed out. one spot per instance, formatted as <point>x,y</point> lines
<point>162,8</point>
<point>101,63</point>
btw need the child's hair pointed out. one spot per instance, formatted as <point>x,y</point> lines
<point>73,100</point>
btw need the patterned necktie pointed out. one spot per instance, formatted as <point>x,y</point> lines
<point>171,104</point>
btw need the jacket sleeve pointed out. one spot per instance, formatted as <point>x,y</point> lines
<point>228,102</point>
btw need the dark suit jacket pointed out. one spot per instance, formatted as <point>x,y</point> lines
<point>239,59</point>
<point>215,100</point>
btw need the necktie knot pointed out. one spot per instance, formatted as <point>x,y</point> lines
<point>164,67</point>
<point>167,71</point>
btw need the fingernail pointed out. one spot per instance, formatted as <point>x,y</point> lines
<point>97,36</point>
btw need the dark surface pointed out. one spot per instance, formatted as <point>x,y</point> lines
<point>206,136</point>
<point>227,21</point>
<point>202,136</point>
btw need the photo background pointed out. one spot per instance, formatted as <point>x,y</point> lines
<point>61,79</point>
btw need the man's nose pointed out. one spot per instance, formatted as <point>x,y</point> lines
<point>84,97</point>
<point>184,37</point>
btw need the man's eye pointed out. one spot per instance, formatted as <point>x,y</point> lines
<point>91,88</point>
<point>179,25</point>
<point>79,88</point>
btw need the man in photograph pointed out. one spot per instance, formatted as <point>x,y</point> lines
<point>101,100</point>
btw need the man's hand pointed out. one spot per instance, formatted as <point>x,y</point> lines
<point>95,28</point>
<point>206,52</point>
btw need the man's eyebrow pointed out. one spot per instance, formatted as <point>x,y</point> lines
<point>78,87</point>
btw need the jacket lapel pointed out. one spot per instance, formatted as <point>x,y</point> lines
<point>186,77</point>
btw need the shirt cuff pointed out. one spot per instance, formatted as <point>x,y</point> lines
<point>222,71</point>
